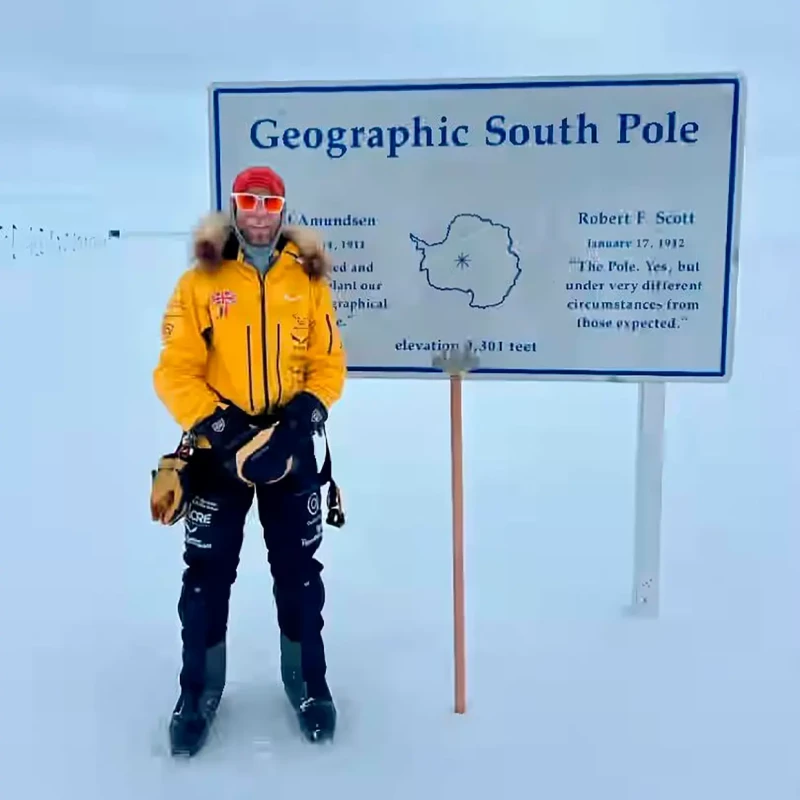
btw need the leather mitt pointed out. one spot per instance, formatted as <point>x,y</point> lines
<point>169,497</point>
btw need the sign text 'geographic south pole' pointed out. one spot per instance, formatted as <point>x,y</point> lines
<point>564,228</point>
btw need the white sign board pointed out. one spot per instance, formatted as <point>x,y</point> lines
<point>567,228</point>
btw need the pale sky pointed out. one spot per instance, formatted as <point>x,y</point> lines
<point>104,104</point>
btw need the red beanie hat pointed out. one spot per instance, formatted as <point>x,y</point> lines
<point>254,178</point>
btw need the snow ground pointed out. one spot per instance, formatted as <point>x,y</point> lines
<point>568,697</point>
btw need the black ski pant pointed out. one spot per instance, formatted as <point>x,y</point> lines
<point>291,518</point>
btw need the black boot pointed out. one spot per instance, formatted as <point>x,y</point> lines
<point>311,700</point>
<point>317,715</point>
<point>188,728</point>
<point>195,710</point>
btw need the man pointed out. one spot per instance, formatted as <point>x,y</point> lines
<point>251,363</point>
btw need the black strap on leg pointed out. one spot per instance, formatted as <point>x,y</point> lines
<point>335,516</point>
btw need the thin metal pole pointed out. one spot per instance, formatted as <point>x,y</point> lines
<point>649,478</point>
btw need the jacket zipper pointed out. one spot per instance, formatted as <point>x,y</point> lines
<point>278,368</point>
<point>262,279</point>
<point>250,370</point>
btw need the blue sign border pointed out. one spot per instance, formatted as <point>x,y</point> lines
<point>733,81</point>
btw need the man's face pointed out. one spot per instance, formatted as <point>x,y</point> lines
<point>258,216</point>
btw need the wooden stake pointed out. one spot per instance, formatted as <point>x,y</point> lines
<point>457,363</point>
<point>457,472</point>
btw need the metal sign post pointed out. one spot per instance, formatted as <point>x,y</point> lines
<point>649,477</point>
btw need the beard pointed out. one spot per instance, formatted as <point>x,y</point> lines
<point>261,237</point>
<point>257,236</point>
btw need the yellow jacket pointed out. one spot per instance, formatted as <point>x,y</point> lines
<point>230,335</point>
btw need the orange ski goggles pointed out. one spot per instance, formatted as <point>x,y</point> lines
<point>246,201</point>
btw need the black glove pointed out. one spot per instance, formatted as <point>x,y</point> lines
<point>270,455</point>
<point>227,429</point>
<point>304,414</point>
<point>262,455</point>
<point>243,448</point>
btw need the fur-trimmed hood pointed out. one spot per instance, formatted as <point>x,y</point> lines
<point>214,241</point>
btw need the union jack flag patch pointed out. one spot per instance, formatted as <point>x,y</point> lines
<point>222,301</point>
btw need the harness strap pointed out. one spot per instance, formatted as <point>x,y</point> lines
<point>335,511</point>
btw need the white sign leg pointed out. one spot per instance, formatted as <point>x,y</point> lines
<point>649,476</point>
